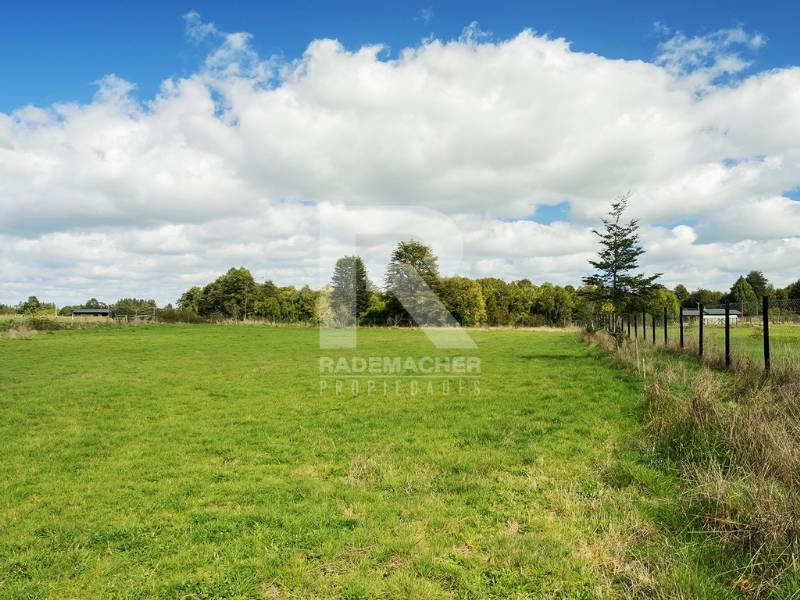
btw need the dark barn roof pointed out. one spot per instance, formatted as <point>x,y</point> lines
<point>709,312</point>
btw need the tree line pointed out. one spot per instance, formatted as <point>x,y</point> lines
<point>415,293</point>
<point>747,291</point>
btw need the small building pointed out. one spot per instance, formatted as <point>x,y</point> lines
<point>711,316</point>
<point>91,312</point>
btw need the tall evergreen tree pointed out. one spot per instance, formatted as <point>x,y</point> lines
<point>758,282</point>
<point>350,295</point>
<point>615,281</point>
<point>742,293</point>
<point>412,284</point>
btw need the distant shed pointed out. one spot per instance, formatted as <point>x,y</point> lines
<point>712,316</point>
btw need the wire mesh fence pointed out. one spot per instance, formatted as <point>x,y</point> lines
<point>766,332</point>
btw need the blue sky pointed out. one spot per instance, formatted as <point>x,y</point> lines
<point>54,51</point>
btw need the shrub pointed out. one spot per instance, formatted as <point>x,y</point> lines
<point>179,315</point>
<point>18,332</point>
<point>44,324</point>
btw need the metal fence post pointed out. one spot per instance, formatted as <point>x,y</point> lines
<point>766,334</point>
<point>653,321</point>
<point>727,333</point>
<point>680,318</point>
<point>701,312</point>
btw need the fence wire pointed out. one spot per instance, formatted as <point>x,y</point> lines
<point>766,333</point>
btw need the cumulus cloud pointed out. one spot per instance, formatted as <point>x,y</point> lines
<point>234,164</point>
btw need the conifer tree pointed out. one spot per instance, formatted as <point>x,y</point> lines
<point>615,280</point>
<point>350,295</point>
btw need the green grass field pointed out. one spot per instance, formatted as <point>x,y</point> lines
<point>204,462</point>
<point>746,341</point>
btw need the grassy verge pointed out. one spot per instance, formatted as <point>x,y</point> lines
<point>733,436</point>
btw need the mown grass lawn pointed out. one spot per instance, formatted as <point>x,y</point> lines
<point>203,462</point>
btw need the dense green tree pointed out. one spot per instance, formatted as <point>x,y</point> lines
<point>554,304</point>
<point>229,295</point>
<point>33,306</point>
<point>774,292</point>
<point>412,284</point>
<point>191,299</point>
<point>742,294</point>
<point>376,312</point>
<point>758,282</point>
<point>496,299</point>
<point>681,293</point>
<point>94,303</point>
<point>463,297</point>
<point>30,306</point>
<point>793,290</point>
<point>307,301</point>
<point>521,296</point>
<point>614,281</point>
<point>268,308</point>
<point>350,295</point>
<point>134,306</point>
<point>704,297</point>
<point>661,298</point>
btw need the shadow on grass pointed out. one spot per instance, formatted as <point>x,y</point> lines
<point>556,357</point>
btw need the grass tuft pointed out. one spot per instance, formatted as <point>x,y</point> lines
<point>735,438</point>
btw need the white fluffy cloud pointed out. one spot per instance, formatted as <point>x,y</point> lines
<point>230,166</point>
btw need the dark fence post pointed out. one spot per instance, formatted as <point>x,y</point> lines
<point>680,318</point>
<point>629,325</point>
<point>644,325</point>
<point>766,334</point>
<point>701,321</point>
<point>636,325</point>
<point>666,340</point>
<point>727,333</point>
<point>653,320</point>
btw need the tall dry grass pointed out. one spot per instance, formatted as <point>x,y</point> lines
<point>734,435</point>
<point>20,332</point>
